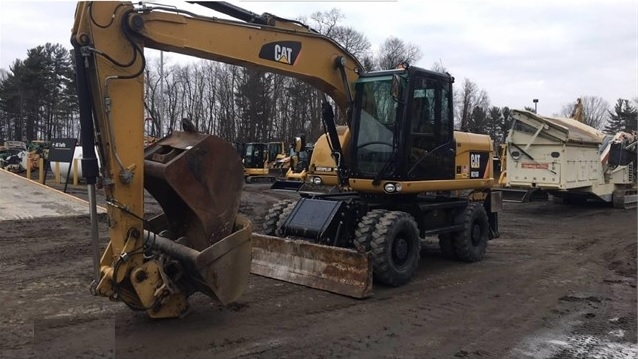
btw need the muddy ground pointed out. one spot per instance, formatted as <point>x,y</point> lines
<point>559,283</point>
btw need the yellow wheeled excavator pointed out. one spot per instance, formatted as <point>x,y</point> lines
<point>410,174</point>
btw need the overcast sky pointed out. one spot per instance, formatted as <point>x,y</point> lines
<point>554,51</point>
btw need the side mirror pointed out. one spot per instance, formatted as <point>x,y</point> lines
<point>395,90</point>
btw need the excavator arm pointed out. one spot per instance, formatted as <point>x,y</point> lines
<point>200,243</point>
<point>294,51</point>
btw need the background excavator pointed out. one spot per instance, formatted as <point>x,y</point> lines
<point>296,166</point>
<point>410,174</point>
<point>258,162</point>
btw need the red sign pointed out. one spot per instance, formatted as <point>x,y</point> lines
<point>535,166</point>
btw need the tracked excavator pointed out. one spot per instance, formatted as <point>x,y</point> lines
<point>411,175</point>
<point>258,160</point>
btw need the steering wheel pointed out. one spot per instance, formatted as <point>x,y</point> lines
<point>374,143</point>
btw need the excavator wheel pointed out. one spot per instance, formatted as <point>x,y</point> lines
<point>470,243</point>
<point>396,248</point>
<point>272,217</point>
<point>365,228</point>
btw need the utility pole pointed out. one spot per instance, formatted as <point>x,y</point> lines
<point>161,101</point>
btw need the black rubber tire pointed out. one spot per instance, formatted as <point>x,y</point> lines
<point>446,244</point>
<point>284,215</point>
<point>395,232</point>
<point>470,243</point>
<point>366,226</point>
<point>272,217</point>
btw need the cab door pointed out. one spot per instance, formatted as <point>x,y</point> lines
<point>430,148</point>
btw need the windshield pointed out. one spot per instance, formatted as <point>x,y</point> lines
<point>376,124</point>
<point>273,150</point>
<point>254,155</point>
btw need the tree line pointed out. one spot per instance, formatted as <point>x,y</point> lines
<point>38,99</point>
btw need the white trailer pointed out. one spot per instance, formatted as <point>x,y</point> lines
<point>571,160</point>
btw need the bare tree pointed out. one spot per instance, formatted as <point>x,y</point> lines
<point>352,40</point>
<point>394,51</point>
<point>595,111</point>
<point>227,80</point>
<point>438,67</point>
<point>326,21</point>
<point>152,97</point>
<point>468,98</point>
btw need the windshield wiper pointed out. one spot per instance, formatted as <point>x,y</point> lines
<point>377,178</point>
<point>426,156</point>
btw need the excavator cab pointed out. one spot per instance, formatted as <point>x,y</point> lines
<point>276,151</point>
<point>403,129</point>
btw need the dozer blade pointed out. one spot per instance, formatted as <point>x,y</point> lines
<point>197,179</point>
<point>286,186</point>
<point>338,270</point>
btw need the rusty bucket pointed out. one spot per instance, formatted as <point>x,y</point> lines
<point>197,179</point>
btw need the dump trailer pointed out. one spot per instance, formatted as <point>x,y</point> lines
<point>570,160</point>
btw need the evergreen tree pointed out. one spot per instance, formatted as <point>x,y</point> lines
<point>37,96</point>
<point>624,118</point>
<point>252,99</point>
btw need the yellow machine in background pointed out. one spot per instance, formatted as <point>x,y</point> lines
<point>38,149</point>
<point>278,159</point>
<point>257,163</point>
<point>263,162</point>
<point>322,170</point>
<point>409,174</point>
<point>296,166</point>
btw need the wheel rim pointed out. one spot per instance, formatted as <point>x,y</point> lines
<point>476,234</point>
<point>400,251</point>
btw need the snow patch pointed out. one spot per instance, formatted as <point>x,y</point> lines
<point>576,346</point>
